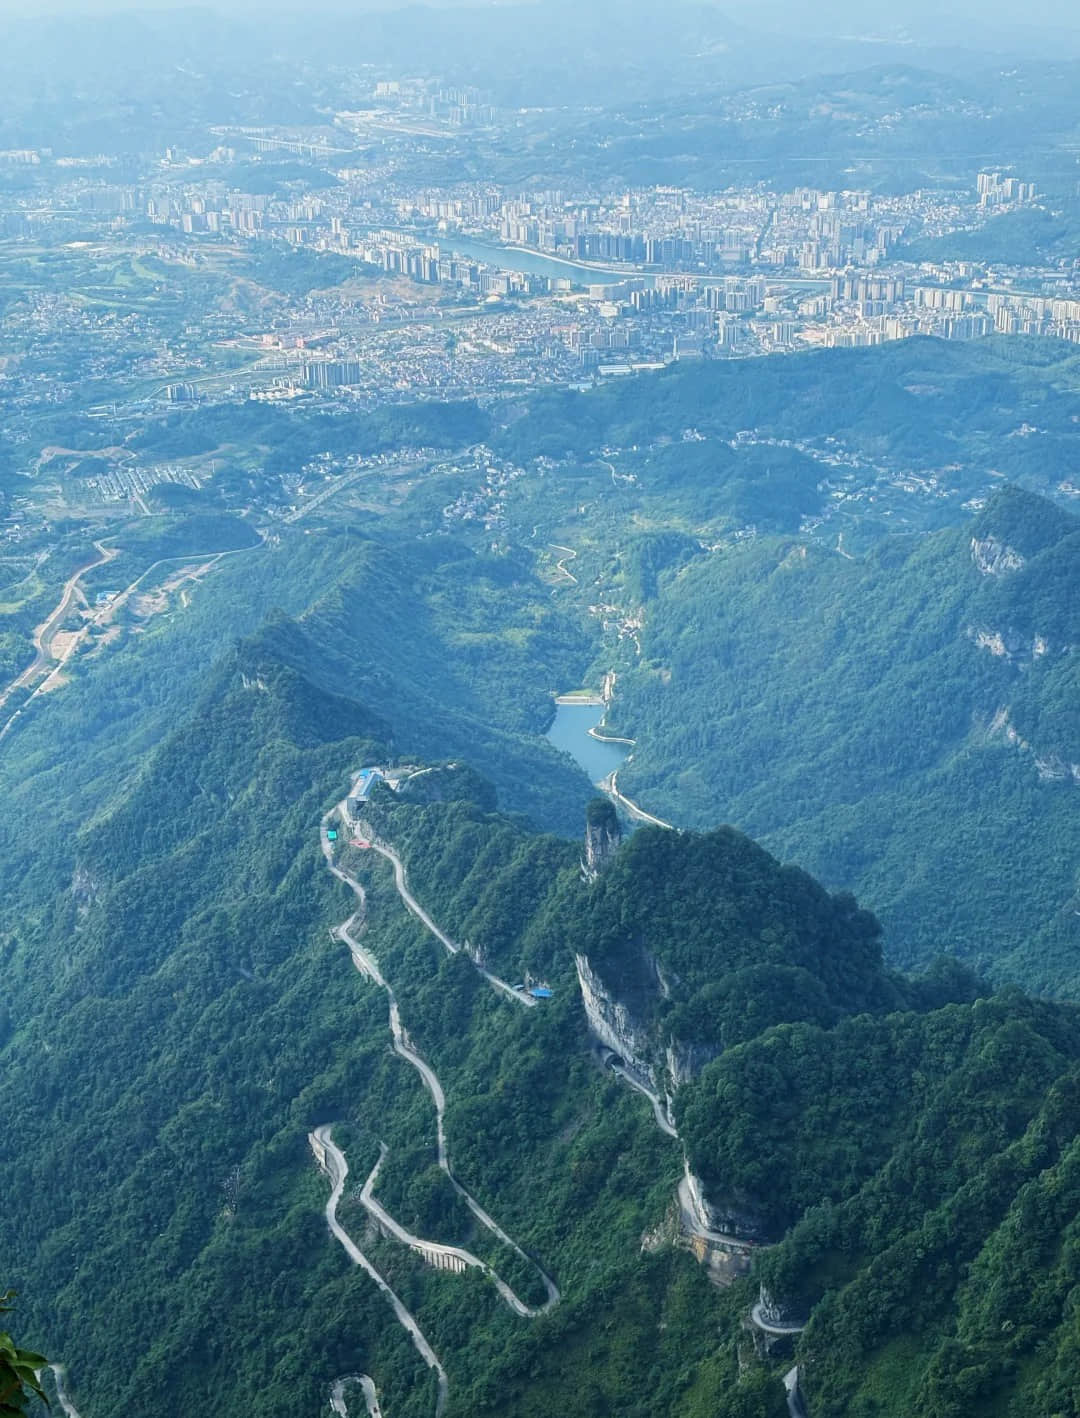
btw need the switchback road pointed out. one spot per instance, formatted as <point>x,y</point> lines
<point>332,1160</point>
<point>367,1388</point>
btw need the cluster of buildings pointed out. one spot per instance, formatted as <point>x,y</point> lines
<point>672,228</point>
<point>490,290</point>
<point>996,190</point>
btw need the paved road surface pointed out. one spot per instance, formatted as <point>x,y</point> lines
<point>663,1121</point>
<point>457,1253</point>
<point>610,786</point>
<point>367,1387</point>
<point>367,965</point>
<point>402,885</point>
<point>768,1327</point>
<point>696,1226</point>
<point>43,636</point>
<point>333,1161</point>
<point>337,1169</point>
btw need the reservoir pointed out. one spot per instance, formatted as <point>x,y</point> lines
<point>570,732</point>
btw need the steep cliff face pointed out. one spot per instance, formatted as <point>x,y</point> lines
<point>721,1215</point>
<point>613,1023</point>
<point>1012,645</point>
<point>602,837</point>
<point>685,1061</point>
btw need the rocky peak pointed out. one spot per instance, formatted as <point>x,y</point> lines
<point>602,837</point>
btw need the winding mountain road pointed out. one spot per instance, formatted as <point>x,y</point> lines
<point>569,554</point>
<point>402,884</point>
<point>768,1326</point>
<point>43,636</point>
<point>366,963</point>
<point>433,1249</point>
<point>695,1224</point>
<point>332,1160</point>
<point>367,1388</point>
<point>610,785</point>
<point>662,1119</point>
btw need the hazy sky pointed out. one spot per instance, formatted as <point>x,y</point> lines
<point>921,15</point>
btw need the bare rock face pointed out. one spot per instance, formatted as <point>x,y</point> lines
<point>1011,645</point>
<point>612,1022</point>
<point>685,1061</point>
<point>602,837</point>
<point>994,558</point>
<point>777,1311</point>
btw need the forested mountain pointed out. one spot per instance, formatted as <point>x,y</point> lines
<point>889,1155</point>
<point>181,1020</point>
<point>903,723</point>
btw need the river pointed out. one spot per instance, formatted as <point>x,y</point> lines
<point>570,732</point>
<point>536,263</point>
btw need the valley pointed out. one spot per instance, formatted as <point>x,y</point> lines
<point>620,1144</point>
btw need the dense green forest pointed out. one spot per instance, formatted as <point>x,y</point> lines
<point>179,1019</point>
<point>176,1016</point>
<point>903,724</point>
<point>946,407</point>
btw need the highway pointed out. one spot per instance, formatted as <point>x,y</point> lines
<point>43,636</point>
<point>347,480</point>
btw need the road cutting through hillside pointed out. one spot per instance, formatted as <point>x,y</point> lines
<point>46,634</point>
<point>43,636</point>
<point>610,786</point>
<point>366,963</point>
<point>332,1160</point>
<point>434,1252</point>
<point>367,1388</point>
<point>663,1120</point>
<point>402,884</point>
